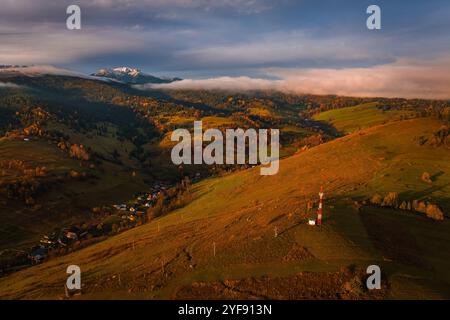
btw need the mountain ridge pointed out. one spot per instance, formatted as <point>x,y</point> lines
<point>131,75</point>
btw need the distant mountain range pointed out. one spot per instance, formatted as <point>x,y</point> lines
<point>131,75</point>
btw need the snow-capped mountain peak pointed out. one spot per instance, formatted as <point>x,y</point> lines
<point>131,71</point>
<point>131,75</point>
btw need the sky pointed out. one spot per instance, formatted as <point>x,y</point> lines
<point>306,46</point>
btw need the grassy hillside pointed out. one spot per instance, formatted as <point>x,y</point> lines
<point>400,150</point>
<point>124,130</point>
<point>60,199</point>
<point>351,119</point>
<point>18,224</point>
<point>245,235</point>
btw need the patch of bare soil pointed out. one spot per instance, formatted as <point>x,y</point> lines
<point>305,285</point>
<point>296,253</point>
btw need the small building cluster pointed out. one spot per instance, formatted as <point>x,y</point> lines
<point>125,215</point>
<point>135,209</point>
<point>59,239</point>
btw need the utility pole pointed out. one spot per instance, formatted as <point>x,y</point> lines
<point>319,211</point>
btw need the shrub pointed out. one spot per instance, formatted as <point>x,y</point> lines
<point>419,206</point>
<point>391,200</point>
<point>376,199</point>
<point>426,177</point>
<point>79,152</point>
<point>434,212</point>
<point>404,206</point>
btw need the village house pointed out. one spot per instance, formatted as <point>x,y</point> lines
<point>38,254</point>
<point>121,207</point>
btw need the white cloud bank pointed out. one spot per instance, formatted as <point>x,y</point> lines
<point>404,78</point>
<point>220,83</point>
<point>40,70</point>
<point>9,85</point>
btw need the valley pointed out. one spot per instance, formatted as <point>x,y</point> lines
<point>72,148</point>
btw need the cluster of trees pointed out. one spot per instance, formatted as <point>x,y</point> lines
<point>392,200</point>
<point>172,199</point>
<point>22,181</point>
<point>24,188</point>
<point>8,121</point>
<point>439,138</point>
<point>18,168</point>
<point>421,107</point>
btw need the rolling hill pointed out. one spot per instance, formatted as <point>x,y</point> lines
<point>245,235</point>
<point>351,119</point>
<point>73,144</point>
